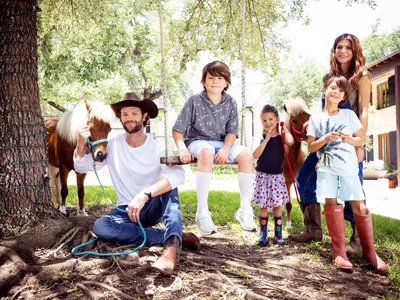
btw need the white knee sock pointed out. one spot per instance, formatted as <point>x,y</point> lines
<point>245,188</point>
<point>203,181</point>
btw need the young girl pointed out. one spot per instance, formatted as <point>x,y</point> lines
<point>269,188</point>
<point>335,133</point>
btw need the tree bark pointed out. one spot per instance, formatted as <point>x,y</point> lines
<point>24,187</point>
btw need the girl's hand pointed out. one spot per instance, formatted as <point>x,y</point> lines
<point>268,135</point>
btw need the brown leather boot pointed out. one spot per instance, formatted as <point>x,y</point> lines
<point>335,222</point>
<point>190,240</point>
<point>354,244</point>
<point>365,230</point>
<point>312,222</point>
<point>168,259</point>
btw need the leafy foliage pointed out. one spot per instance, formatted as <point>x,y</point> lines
<point>301,77</point>
<point>96,50</point>
<point>377,46</point>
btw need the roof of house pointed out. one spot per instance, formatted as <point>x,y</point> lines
<point>383,60</point>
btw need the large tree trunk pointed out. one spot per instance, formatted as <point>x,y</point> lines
<point>24,189</point>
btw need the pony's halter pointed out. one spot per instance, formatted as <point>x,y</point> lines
<point>299,135</point>
<point>91,144</point>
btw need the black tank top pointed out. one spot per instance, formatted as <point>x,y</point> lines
<point>271,160</point>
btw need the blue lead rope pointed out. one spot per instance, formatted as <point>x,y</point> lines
<point>73,251</point>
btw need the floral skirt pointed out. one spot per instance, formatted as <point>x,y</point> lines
<point>269,190</point>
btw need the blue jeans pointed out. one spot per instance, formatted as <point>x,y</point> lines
<point>117,227</point>
<point>306,180</point>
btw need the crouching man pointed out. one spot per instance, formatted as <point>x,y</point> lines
<point>145,189</point>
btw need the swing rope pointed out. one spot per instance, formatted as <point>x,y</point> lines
<point>175,160</point>
<point>243,139</point>
<point>164,82</point>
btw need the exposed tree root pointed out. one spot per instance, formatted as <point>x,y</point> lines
<point>90,293</point>
<point>114,290</point>
<point>233,264</point>
<point>224,268</point>
<point>68,236</point>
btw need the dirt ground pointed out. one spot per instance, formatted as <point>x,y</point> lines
<point>229,265</point>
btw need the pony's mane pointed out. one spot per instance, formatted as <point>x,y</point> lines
<point>295,107</point>
<point>72,119</point>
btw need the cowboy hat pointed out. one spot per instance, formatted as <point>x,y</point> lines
<point>131,99</point>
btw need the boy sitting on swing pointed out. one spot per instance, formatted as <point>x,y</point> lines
<point>206,129</point>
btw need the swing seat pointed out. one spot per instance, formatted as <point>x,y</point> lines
<point>176,161</point>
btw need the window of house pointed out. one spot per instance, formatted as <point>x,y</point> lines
<point>383,95</point>
<point>384,146</point>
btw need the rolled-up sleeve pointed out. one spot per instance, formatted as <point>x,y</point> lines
<point>174,174</point>
<point>232,126</point>
<point>184,118</point>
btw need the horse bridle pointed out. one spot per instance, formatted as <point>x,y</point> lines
<point>299,135</point>
<point>91,144</point>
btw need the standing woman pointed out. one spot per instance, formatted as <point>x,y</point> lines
<point>346,59</point>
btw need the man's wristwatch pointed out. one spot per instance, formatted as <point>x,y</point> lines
<point>147,192</point>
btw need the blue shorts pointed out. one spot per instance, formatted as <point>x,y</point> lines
<point>197,146</point>
<point>346,188</point>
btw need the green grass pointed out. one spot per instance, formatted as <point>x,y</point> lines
<point>223,205</point>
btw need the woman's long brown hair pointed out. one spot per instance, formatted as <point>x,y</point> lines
<point>357,65</point>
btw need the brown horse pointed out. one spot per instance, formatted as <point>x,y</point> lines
<point>61,138</point>
<point>296,119</point>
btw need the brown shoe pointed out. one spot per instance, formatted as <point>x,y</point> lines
<point>190,240</point>
<point>168,259</point>
<point>312,222</point>
<point>354,244</point>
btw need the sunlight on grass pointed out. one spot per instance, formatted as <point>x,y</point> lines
<point>224,204</point>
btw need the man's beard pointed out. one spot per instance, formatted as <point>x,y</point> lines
<point>134,129</point>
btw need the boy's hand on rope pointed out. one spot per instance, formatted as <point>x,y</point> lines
<point>186,156</point>
<point>135,206</point>
<point>222,156</point>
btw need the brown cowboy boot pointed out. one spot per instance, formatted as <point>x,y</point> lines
<point>354,244</point>
<point>335,222</point>
<point>168,259</point>
<point>365,230</point>
<point>312,222</point>
<point>190,240</point>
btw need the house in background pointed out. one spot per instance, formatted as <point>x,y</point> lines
<point>384,123</point>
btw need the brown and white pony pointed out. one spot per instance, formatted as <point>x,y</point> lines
<point>62,137</point>
<point>296,118</point>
